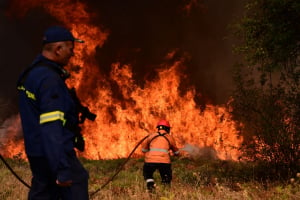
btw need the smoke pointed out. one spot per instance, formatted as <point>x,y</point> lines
<point>141,34</point>
<point>194,152</point>
<point>16,52</point>
<point>5,110</point>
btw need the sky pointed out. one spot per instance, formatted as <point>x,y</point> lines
<point>141,33</point>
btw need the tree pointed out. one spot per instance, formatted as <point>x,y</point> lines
<point>266,99</point>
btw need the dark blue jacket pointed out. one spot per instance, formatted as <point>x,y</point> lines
<point>46,110</point>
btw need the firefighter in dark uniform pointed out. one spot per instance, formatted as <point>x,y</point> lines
<point>49,120</point>
<point>157,149</point>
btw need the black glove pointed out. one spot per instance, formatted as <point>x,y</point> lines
<point>79,142</point>
<point>78,138</point>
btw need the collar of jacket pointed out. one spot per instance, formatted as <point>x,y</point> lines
<point>49,63</point>
<point>42,59</point>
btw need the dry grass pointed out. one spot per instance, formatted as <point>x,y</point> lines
<point>193,180</point>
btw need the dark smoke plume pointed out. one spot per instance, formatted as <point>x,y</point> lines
<point>141,34</point>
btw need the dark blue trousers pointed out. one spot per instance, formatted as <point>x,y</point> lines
<point>43,186</point>
<point>164,169</point>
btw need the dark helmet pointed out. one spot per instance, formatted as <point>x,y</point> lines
<point>163,125</point>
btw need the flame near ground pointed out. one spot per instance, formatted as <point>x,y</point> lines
<point>127,112</point>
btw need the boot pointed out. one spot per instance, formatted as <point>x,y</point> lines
<point>150,185</point>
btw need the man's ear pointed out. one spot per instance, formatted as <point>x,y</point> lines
<point>57,48</point>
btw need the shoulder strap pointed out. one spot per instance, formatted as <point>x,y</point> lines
<point>159,134</point>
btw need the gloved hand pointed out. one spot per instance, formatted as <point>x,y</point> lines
<point>78,138</point>
<point>79,142</point>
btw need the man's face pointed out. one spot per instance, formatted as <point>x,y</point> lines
<point>65,52</point>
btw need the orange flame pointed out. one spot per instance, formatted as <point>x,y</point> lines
<point>120,124</point>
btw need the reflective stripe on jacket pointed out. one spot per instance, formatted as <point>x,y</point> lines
<point>157,147</point>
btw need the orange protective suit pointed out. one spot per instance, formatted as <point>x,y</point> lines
<point>157,147</point>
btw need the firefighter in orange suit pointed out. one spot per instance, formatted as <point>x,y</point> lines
<point>157,149</point>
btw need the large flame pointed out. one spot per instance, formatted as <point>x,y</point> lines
<point>123,120</point>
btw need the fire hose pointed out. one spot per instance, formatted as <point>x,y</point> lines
<point>13,172</point>
<point>120,168</point>
<point>92,193</point>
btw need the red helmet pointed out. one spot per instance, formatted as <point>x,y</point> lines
<point>163,125</point>
<point>163,122</point>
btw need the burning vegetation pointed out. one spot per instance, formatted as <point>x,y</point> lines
<point>127,111</point>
